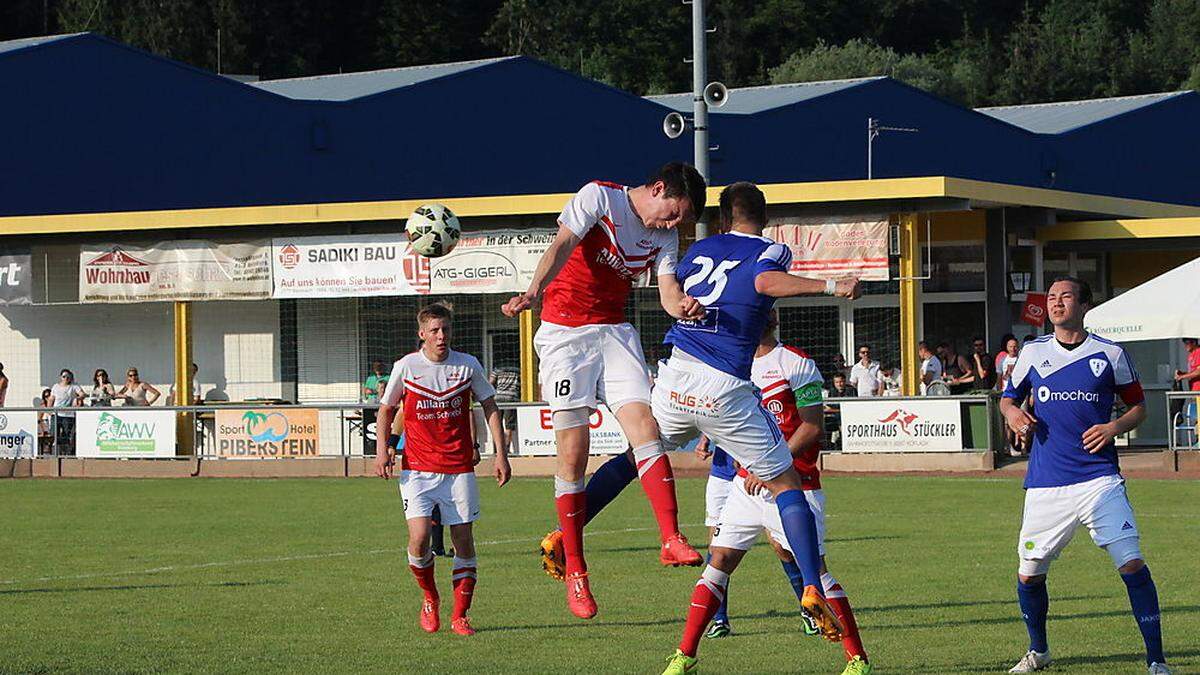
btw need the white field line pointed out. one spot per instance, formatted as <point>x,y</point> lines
<point>288,558</point>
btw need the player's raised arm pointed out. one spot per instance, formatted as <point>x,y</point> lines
<point>779,284</point>
<point>548,267</point>
<point>677,303</point>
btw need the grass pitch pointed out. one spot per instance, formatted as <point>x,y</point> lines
<point>309,576</point>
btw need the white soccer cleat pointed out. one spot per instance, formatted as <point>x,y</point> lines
<point>1157,668</point>
<point>1032,661</point>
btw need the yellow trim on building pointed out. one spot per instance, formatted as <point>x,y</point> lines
<point>1149,228</point>
<point>777,193</point>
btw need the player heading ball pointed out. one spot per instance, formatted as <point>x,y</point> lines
<point>437,386</point>
<point>609,235</point>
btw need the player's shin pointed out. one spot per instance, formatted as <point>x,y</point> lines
<point>658,481</point>
<point>706,598</point>
<point>464,585</point>
<point>570,500</point>
<point>795,577</point>
<point>609,480</point>
<point>1035,604</point>
<point>422,569</point>
<point>1143,599</point>
<point>851,642</point>
<point>800,529</point>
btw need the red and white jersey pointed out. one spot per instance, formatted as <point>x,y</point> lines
<point>790,380</point>
<point>437,399</point>
<point>616,248</point>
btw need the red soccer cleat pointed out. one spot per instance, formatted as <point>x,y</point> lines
<point>677,551</point>
<point>579,596</point>
<point>430,622</point>
<point>462,626</point>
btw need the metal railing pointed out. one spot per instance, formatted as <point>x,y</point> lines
<point>1183,411</point>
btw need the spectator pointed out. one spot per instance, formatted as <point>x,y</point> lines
<point>197,397</point>
<point>65,394</point>
<point>955,369</point>
<point>376,382</point>
<point>3,385</point>
<point>838,388</point>
<point>982,370</point>
<point>507,383</point>
<point>1190,380</point>
<point>137,393</point>
<point>839,365</point>
<point>43,423</point>
<point>1007,360</point>
<point>864,375</point>
<point>1001,353</point>
<point>931,366</point>
<point>102,393</point>
<point>889,378</point>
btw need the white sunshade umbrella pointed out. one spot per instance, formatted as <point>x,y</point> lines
<point>1166,307</point>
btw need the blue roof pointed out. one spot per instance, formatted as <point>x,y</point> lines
<point>24,43</point>
<point>750,100</point>
<point>347,86</point>
<point>1057,118</point>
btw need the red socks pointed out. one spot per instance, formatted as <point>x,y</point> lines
<point>422,569</point>
<point>836,597</point>
<point>464,585</point>
<point>570,500</point>
<point>706,599</point>
<point>654,471</point>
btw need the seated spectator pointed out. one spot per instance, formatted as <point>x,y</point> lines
<point>889,379</point>
<point>102,392</point>
<point>931,366</point>
<point>839,388</point>
<point>197,396</point>
<point>137,393</point>
<point>65,394</point>
<point>375,383</point>
<point>864,375</point>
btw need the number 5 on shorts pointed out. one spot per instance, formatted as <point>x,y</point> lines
<point>562,388</point>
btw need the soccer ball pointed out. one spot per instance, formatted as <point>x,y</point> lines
<point>433,230</point>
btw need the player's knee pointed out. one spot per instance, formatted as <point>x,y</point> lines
<point>725,559</point>
<point>1132,566</point>
<point>1126,554</point>
<point>781,551</point>
<point>637,422</point>
<point>572,418</point>
<point>418,547</point>
<point>1032,580</point>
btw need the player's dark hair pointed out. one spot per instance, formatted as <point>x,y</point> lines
<point>1083,288</point>
<point>743,201</point>
<point>435,311</point>
<point>682,180</point>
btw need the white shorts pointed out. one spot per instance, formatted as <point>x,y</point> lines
<point>1053,514</point>
<point>715,494</point>
<point>693,398</point>
<point>745,516</point>
<point>456,495</point>
<point>587,365</point>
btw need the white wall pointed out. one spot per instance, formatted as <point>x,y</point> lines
<point>236,345</point>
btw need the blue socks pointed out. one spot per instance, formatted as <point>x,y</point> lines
<point>1143,599</point>
<point>800,529</point>
<point>1035,603</point>
<point>792,570</point>
<point>607,483</point>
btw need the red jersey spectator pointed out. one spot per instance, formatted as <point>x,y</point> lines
<point>1190,379</point>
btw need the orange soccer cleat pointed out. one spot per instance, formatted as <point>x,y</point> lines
<point>430,621</point>
<point>821,614</point>
<point>462,626</point>
<point>579,596</point>
<point>554,558</point>
<point>677,551</point>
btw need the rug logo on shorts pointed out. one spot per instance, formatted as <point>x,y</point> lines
<point>703,405</point>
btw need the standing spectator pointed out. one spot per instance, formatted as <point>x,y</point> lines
<point>65,394</point>
<point>864,376</point>
<point>197,397</point>
<point>889,378</point>
<point>839,388</point>
<point>956,368</point>
<point>982,375</point>
<point>137,393</point>
<point>3,385</point>
<point>102,392</point>
<point>43,423</point>
<point>931,366</point>
<point>1000,354</point>
<point>839,366</point>
<point>1007,360</point>
<point>507,383</point>
<point>833,412</point>
<point>1190,379</point>
<point>373,388</point>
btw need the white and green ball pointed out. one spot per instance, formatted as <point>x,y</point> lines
<point>433,230</point>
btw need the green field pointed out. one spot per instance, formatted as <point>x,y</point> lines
<point>309,576</point>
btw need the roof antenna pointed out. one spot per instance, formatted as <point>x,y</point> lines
<point>873,129</point>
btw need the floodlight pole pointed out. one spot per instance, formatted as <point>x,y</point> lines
<point>699,107</point>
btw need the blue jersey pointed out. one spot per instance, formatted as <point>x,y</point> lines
<point>719,271</point>
<point>722,465</point>
<point>1072,390</point>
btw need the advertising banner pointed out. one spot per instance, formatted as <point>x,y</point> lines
<point>831,250</point>
<point>267,432</point>
<point>124,432</point>
<point>489,261</point>
<point>16,277</point>
<point>907,425</point>
<point>535,432</point>
<point>18,435</point>
<point>175,270</point>
<point>340,266</point>
<point>1033,312</point>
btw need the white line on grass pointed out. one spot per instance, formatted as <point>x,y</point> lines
<point>288,558</point>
